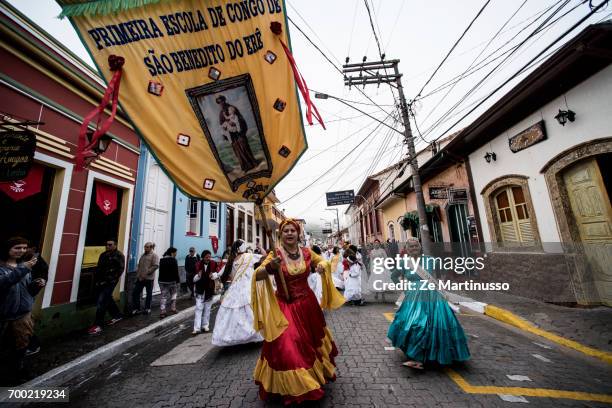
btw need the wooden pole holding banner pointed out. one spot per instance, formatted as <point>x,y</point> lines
<point>273,241</point>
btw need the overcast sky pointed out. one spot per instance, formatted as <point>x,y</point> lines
<point>419,33</point>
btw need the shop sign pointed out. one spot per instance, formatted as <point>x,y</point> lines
<point>16,154</point>
<point>438,193</point>
<point>458,195</point>
<point>527,138</point>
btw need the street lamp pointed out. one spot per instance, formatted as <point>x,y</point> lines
<point>565,115</point>
<point>321,95</point>
<point>103,142</point>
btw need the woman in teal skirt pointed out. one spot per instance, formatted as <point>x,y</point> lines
<point>425,328</point>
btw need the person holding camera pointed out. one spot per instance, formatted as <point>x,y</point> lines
<point>17,292</point>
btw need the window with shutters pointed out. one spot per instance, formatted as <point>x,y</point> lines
<point>510,212</point>
<point>513,215</point>
<point>193,218</point>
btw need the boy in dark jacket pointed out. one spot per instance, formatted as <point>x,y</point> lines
<point>205,292</point>
<point>168,281</point>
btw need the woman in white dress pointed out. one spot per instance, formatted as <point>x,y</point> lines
<point>234,322</point>
<point>338,271</point>
<point>380,273</point>
<point>352,291</point>
<point>314,279</point>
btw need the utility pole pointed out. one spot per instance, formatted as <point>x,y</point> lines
<point>369,74</point>
<point>337,220</point>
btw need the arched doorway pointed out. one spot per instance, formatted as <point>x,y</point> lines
<point>580,185</point>
<point>589,197</point>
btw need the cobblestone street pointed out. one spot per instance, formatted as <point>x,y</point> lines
<point>369,373</point>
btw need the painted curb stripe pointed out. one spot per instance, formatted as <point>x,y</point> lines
<point>516,321</point>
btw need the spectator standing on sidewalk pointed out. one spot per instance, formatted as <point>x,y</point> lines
<point>169,280</point>
<point>17,292</point>
<point>204,282</point>
<point>111,264</point>
<point>40,273</point>
<point>145,276</point>
<point>191,261</point>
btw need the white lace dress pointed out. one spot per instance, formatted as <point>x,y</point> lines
<point>234,322</point>
<point>352,290</point>
<point>316,284</point>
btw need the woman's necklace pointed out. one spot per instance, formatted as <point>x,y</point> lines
<point>295,256</point>
<point>295,265</point>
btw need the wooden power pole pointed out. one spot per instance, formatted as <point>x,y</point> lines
<point>369,73</point>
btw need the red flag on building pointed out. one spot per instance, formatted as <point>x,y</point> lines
<point>26,187</point>
<point>106,198</point>
<point>215,243</point>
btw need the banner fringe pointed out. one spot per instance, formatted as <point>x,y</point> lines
<point>100,7</point>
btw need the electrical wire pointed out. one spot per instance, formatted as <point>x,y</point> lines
<point>332,63</point>
<point>474,61</point>
<point>452,48</point>
<point>487,61</point>
<point>380,53</point>
<point>335,164</point>
<point>593,11</point>
<point>482,80</point>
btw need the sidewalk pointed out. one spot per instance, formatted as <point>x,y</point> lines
<point>58,351</point>
<point>589,326</point>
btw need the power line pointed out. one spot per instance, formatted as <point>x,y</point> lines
<point>593,11</point>
<point>313,31</point>
<point>332,63</point>
<point>332,167</point>
<point>380,53</point>
<point>474,60</point>
<point>452,48</point>
<point>336,144</point>
<point>482,80</point>
<point>482,63</point>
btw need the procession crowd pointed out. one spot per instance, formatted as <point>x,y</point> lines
<point>276,297</point>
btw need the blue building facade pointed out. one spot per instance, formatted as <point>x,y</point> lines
<point>165,216</point>
<point>195,224</point>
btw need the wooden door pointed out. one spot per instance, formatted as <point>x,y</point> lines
<point>156,211</point>
<point>592,213</point>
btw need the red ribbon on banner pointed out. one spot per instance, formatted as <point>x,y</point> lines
<point>26,187</point>
<point>311,109</point>
<point>106,198</point>
<point>85,147</point>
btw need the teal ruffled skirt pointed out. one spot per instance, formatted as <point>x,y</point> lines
<point>426,329</point>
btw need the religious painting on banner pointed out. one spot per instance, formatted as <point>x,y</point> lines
<point>202,81</point>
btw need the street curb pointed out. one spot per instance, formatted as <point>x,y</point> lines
<point>64,373</point>
<point>510,318</point>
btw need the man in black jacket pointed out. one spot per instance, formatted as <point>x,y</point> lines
<point>205,292</point>
<point>111,264</point>
<point>191,261</point>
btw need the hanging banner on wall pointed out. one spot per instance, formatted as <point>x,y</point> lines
<point>25,187</point>
<point>215,243</point>
<point>210,87</point>
<point>106,198</point>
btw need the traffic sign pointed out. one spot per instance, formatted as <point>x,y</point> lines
<point>340,197</point>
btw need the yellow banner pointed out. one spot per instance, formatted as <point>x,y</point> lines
<point>207,85</point>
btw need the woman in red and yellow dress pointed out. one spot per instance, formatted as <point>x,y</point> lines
<point>298,353</point>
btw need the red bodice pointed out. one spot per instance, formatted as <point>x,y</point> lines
<point>297,285</point>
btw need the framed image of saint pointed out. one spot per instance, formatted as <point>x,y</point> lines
<point>228,113</point>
